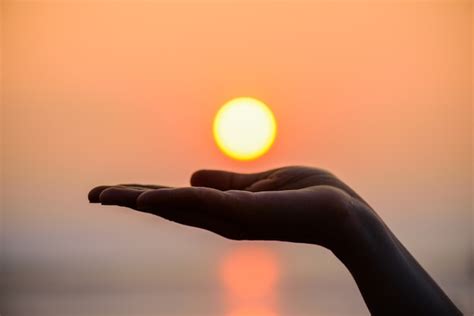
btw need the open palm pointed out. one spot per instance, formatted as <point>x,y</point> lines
<point>297,204</point>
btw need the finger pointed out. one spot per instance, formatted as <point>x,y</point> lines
<point>225,180</point>
<point>206,208</point>
<point>121,196</point>
<point>207,201</point>
<point>94,194</point>
<point>143,186</point>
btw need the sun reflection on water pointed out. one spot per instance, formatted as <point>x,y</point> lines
<point>249,275</point>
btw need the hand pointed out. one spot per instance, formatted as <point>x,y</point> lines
<point>296,204</point>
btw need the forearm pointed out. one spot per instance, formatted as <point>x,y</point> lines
<point>390,280</point>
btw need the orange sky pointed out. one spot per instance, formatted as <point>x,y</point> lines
<point>99,92</point>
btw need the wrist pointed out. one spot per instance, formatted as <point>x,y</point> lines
<point>364,237</point>
<point>389,278</point>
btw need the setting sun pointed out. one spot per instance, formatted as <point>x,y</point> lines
<point>244,128</point>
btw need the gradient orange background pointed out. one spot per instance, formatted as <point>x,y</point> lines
<point>98,92</point>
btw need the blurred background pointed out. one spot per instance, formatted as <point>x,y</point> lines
<point>106,92</point>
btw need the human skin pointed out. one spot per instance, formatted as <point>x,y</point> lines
<point>297,204</point>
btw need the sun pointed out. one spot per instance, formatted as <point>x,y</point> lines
<point>244,128</point>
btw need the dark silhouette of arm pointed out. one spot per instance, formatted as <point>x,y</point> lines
<point>297,204</point>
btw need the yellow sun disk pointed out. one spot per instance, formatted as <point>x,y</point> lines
<point>244,128</point>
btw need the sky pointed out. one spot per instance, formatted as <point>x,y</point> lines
<point>104,92</point>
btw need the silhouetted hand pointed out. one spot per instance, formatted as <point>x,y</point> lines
<point>296,204</point>
<point>291,204</point>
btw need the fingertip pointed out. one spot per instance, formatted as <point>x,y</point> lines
<point>198,178</point>
<point>94,194</point>
<point>120,196</point>
<point>215,179</point>
<point>104,196</point>
<point>143,201</point>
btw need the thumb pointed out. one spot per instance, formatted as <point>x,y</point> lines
<point>226,180</point>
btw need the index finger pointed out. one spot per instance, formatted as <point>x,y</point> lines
<point>205,208</point>
<point>94,194</point>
